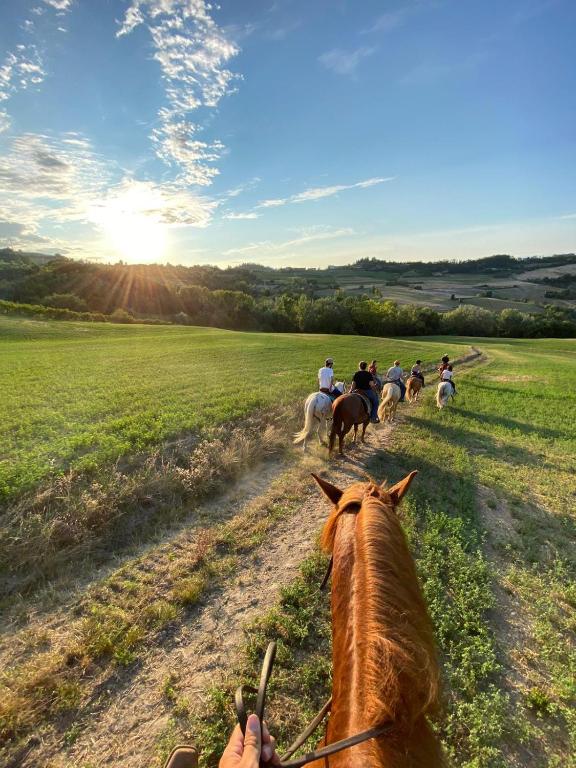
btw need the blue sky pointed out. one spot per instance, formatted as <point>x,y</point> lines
<point>287,132</point>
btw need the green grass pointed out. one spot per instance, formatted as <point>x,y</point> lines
<point>507,442</point>
<point>79,395</point>
<point>490,520</point>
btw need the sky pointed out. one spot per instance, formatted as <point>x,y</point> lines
<point>287,132</point>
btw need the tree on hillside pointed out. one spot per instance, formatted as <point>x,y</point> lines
<point>65,301</point>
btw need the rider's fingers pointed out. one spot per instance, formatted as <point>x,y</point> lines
<point>252,743</point>
<point>269,750</point>
<point>234,748</point>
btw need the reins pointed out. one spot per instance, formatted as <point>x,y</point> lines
<point>309,757</point>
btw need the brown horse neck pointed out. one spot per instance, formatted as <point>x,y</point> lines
<point>356,696</point>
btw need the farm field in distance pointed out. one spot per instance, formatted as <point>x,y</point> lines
<point>491,521</point>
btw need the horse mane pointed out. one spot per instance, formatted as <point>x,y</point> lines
<point>398,656</point>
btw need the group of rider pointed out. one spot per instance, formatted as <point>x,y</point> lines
<point>367,381</point>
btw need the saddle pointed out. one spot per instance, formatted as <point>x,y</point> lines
<point>365,400</point>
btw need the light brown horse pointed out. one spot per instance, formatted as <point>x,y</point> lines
<point>390,398</point>
<point>385,668</point>
<point>348,411</point>
<point>413,387</point>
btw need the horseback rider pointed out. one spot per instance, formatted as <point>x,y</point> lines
<point>373,369</point>
<point>416,371</point>
<point>443,365</point>
<point>395,375</point>
<point>326,379</point>
<point>447,375</point>
<point>363,381</point>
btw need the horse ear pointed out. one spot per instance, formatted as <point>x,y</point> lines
<point>333,493</point>
<point>396,492</point>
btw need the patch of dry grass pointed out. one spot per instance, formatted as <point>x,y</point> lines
<point>127,613</point>
<point>79,520</point>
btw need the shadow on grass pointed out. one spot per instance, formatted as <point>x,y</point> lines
<point>484,443</point>
<point>511,424</point>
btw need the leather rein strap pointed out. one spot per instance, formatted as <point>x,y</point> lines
<point>309,757</point>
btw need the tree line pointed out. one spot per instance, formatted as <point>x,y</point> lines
<point>340,314</point>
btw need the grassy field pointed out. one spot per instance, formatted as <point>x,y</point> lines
<point>491,521</point>
<point>77,395</point>
<point>492,524</point>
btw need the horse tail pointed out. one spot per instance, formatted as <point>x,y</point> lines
<point>336,427</point>
<point>306,431</point>
<point>441,399</point>
<point>385,404</point>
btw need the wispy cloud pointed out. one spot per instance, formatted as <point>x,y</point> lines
<point>48,181</point>
<point>192,52</point>
<point>399,16</point>
<point>59,5</point>
<point>245,187</point>
<point>345,62</point>
<point>312,235</point>
<point>166,204</point>
<point>241,216</point>
<point>23,67</point>
<point>567,216</point>
<point>319,193</point>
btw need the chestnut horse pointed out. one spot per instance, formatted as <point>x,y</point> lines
<point>348,411</point>
<point>385,668</point>
<point>413,387</point>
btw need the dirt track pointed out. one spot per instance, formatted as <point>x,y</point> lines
<point>123,732</point>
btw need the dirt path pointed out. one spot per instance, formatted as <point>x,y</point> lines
<point>123,732</point>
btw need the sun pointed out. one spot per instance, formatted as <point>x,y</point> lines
<point>131,219</point>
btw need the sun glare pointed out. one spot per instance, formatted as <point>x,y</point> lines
<point>131,220</point>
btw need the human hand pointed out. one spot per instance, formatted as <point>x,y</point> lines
<point>247,751</point>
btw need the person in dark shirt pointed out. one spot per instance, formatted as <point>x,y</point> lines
<point>365,383</point>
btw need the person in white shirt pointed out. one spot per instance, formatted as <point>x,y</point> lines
<point>447,375</point>
<point>326,379</point>
<point>395,374</point>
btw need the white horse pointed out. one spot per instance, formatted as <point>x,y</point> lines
<point>318,407</point>
<point>443,393</point>
<point>390,397</point>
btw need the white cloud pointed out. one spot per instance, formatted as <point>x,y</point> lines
<point>47,182</point>
<point>167,204</point>
<point>241,216</point>
<point>58,5</point>
<point>21,69</point>
<point>319,193</point>
<point>250,184</point>
<point>312,235</point>
<point>5,121</point>
<point>345,62</point>
<point>192,52</point>
<point>568,216</point>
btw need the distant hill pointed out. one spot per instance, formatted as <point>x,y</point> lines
<point>494,282</point>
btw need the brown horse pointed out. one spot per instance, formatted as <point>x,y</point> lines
<point>348,411</point>
<point>413,387</point>
<point>385,668</point>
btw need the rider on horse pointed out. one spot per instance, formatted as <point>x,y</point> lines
<point>417,371</point>
<point>443,365</point>
<point>395,375</point>
<point>363,381</point>
<point>446,375</point>
<point>326,380</point>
